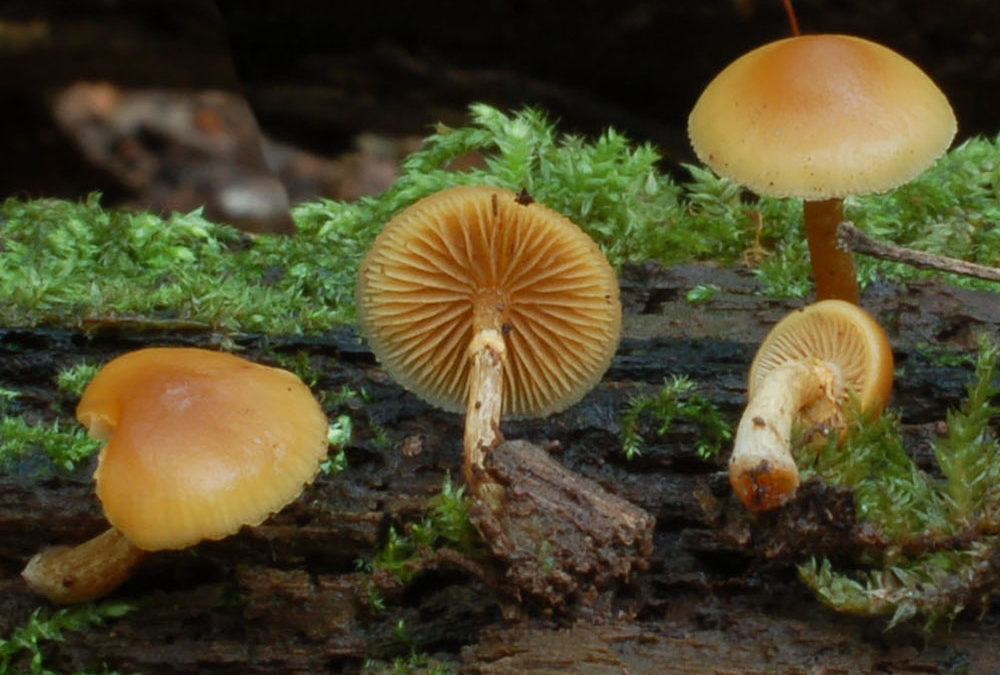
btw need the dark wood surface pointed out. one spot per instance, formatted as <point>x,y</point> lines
<point>287,596</point>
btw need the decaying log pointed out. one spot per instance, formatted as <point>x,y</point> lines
<point>289,597</point>
<point>743,639</point>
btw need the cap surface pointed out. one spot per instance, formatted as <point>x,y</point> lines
<point>821,116</point>
<point>553,294</point>
<point>199,443</point>
<point>839,333</point>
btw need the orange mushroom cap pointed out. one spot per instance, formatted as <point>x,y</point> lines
<point>199,443</point>
<point>819,117</point>
<point>472,251</point>
<point>840,334</point>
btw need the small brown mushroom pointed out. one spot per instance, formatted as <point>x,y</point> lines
<point>476,298</point>
<point>481,299</point>
<point>820,117</point>
<point>199,444</point>
<point>805,370</point>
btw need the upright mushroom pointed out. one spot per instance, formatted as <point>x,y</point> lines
<point>805,370</point>
<point>820,117</point>
<point>483,300</point>
<point>199,443</point>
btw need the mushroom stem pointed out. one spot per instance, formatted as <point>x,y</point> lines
<point>833,268</point>
<point>761,469</point>
<point>482,418</point>
<point>72,574</point>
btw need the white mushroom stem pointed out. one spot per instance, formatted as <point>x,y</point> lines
<point>72,574</point>
<point>761,468</point>
<point>482,418</point>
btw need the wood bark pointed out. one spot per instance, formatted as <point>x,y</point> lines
<point>288,596</point>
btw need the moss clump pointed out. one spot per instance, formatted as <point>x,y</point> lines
<point>446,524</point>
<point>933,542</point>
<point>78,264</point>
<point>23,647</point>
<point>72,381</point>
<point>65,446</point>
<point>676,400</point>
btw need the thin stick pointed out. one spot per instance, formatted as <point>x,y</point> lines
<point>850,238</point>
<point>792,21</point>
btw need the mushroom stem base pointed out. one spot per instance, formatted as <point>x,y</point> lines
<point>67,575</point>
<point>761,469</point>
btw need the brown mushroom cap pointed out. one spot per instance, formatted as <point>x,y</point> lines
<point>536,276</point>
<point>838,333</point>
<point>819,117</point>
<point>199,443</point>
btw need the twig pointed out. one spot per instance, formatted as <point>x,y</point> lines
<point>851,239</point>
<point>792,20</point>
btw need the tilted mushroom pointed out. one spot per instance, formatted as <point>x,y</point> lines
<point>820,117</point>
<point>805,371</point>
<point>483,300</point>
<point>199,444</point>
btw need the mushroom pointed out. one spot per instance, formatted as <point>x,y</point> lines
<point>483,300</point>
<point>808,366</point>
<point>199,444</point>
<point>820,117</point>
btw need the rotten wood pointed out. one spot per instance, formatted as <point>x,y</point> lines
<point>287,596</point>
<point>561,537</point>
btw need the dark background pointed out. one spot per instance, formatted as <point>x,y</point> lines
<point>637,65</point>
<point>317,74</point>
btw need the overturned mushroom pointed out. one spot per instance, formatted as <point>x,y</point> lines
<point>820,117</point>
<point>199,444</point>
<point>805,371</point>
<point>483,300</point>
<point>478,299</point>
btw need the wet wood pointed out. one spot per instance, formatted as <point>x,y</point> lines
<point>289,597</point>
<point>561,538</point>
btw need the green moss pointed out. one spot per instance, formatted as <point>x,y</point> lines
<point>24,645</point>
<point>338,435</point>
<point>78,264</point>
<point>933,541</point>
<point>74,380</point>
<point>676,400</point>
<point>415,663</point>
<point>446,523</point>
<point>65,446</point>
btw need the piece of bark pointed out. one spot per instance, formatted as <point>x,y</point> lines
<point>562,537</point>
